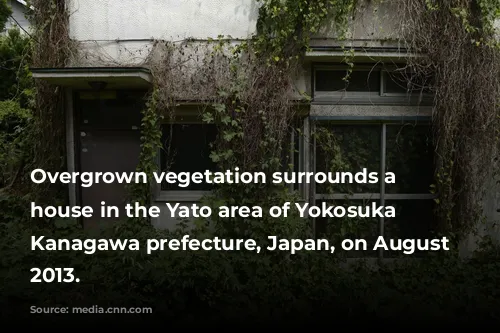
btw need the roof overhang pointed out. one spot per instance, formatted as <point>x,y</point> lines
<point>87,78</point>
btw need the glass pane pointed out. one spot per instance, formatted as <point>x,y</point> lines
<point>123,112</point>
<point>333,80</point>
<point>187,147</point>
<point>400,82</point>
<point>347,148</point>
<point>338,229</point>
<point>414,220</point>
<point>409,156</point>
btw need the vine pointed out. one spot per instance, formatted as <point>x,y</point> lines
<point>457,40</point>
<point>150,146</point>
<point>245,89</point>
<point>52,49</point>
<point>255,115</point>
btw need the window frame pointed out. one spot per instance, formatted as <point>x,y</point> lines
<point>172,195</point>
<point>161,195</point>
<point>381,196</point>
<point>380,97</point>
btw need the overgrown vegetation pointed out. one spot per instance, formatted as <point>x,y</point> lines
<point>253,115</point>
<point>16,102</point>
<point>457,39</point>
<point>51,49</point>
<point>218,286</point>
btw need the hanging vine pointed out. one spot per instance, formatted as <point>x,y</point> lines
<point>246,88</point>
<point>52,48</point>
<point>249,89</point>
<point>457,41</point>
<point>255,113</point>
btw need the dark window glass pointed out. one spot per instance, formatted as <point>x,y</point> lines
<point>333,80</point>
<point>409,156</point>
<point>348,148</point>
<point>399,82</point>
<point>121,112</point>
<point>187,149</point>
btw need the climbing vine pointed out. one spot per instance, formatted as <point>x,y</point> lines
<point>246,88</point>
<point>254,115</point>
<point>150,146</point>
<point>52,47</point>
<point>457,41</point>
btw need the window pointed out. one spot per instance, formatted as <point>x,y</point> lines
<point>402,148</point>
<point>370,85</point>
<point>403,82</point>
<point>186,148</point>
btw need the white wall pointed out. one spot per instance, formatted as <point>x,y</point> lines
<point>372,21</point>
<point>98,24</point>
<point>178,19</point>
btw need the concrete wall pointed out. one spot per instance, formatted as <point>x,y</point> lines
<point>121,31</point>
<point>374,23</point>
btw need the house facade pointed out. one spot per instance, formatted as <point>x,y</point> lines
<point>375,116</point>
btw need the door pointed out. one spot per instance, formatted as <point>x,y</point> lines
<point>109,141</point>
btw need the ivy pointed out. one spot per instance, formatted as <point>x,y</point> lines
<point>150,146</point>
<point>285,27</point>
<point>252,112</point>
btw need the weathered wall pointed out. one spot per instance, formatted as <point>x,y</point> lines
<point>121,31</point>
<point>375,23</point>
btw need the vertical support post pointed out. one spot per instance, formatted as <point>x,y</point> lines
<point>383,136</point>
<point>70,142</point>
<point>312,189</point>
<point>306,157</point>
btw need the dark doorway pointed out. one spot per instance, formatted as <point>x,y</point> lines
<point>108,130</point>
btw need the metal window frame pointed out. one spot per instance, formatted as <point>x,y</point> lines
<point>380,97</point>
<point>344,96</point>
<point>382,196</point>
<point>161,195</point>
<point>412,98</point>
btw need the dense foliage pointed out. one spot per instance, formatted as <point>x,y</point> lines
<point>226,287</point>
<point>254,114</point>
